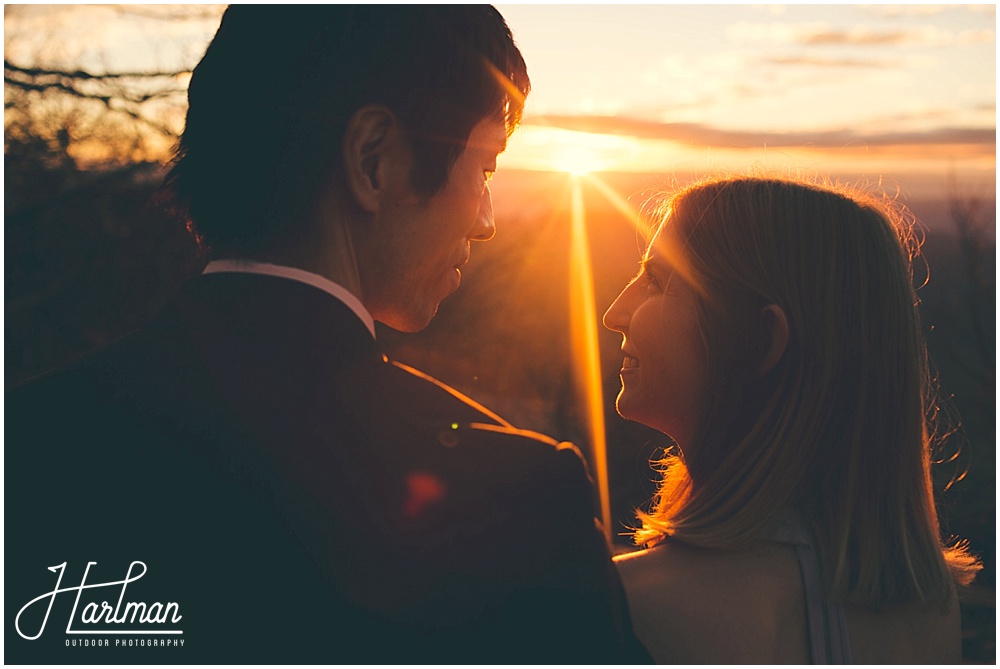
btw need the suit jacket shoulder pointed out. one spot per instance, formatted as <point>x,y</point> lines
<point>302,499</point>
<point>508,515</point>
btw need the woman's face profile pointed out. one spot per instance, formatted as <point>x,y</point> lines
<point>664,371</point>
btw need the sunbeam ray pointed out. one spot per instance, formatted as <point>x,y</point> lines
<point>621,204</point>
<point>583,325</point>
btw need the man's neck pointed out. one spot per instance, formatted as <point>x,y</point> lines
<point>328,249</point>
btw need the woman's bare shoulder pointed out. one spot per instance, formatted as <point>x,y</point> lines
<point>765,565</point>
<point>692,604</point>
<point>911,634</point>
<point>664,563</point>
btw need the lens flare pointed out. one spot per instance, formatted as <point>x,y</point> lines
<point>586,354</point>
<point>621,204</point>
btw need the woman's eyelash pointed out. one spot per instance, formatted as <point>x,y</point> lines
<point>651,278</point>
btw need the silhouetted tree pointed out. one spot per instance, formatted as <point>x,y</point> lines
<point>87,257</point>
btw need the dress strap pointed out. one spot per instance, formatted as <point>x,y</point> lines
<point>829,642</point>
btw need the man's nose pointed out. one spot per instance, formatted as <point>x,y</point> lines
<point>485,228</point>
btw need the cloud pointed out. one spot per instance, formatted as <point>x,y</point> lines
<point>976,37</point>
<point>943,116</point>
<point>782,33</point>
<point>818,61</point>
<point>821,34</point>
<point>865,36</point>
<point>922,115</point>
<point>697,133</point>
<point>904,10</point>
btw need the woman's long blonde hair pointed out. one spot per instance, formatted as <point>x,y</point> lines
<point>840,430</point>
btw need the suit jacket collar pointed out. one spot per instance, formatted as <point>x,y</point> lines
<point>296,274</point>
<point>275,313</point>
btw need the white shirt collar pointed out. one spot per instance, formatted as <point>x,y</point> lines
<point>300,275</point>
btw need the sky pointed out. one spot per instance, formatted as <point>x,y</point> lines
<point>872,91</point>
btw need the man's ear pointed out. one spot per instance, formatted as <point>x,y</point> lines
<point>776,323</point>
<point>368,142</point>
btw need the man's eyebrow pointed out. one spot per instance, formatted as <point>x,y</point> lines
<point>489,147</point>
<point>496,147</point>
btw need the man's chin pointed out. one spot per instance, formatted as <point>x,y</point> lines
<point>410,321</point>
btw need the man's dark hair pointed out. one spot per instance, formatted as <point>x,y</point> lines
<point>269,103</point>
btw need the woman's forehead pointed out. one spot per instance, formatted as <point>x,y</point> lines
<point>663,245</point>
<point>666,250</point>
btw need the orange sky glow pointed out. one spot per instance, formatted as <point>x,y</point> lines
<point>897,93</point>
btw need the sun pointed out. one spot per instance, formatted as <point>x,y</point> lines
<point>577,160</point>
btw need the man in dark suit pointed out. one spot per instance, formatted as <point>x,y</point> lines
<point>247,478</point>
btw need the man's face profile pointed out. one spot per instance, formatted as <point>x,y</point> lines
<point>423,242</point>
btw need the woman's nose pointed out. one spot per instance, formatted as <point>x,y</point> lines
<point>617,316</point>
<point>485,228</point>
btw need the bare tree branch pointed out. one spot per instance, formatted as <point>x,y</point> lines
<point>29,90</point>
<point>84,75</point>
<point>70,89</point>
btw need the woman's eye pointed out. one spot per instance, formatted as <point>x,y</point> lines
<point>652,280</point>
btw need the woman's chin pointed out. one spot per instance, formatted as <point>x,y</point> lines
<point>632,411</point>
<point>628,410</point>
